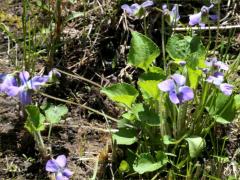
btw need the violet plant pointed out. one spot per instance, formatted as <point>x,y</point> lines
<point>135,9</point>
<point>170,113</point>
<point>58,167</point>
<point>200,18</point>
<point>35,117</point>
<point>173,16</point>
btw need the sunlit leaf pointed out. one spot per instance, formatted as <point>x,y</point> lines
<point>193,76</point>
<point>35,120</point>
<point>195,145</point>
<point>54,113</point>
<point>124,166</point>
<point>178,47</point>
<point>125,136</point>
<point>237,101</point>
<point>223,108</point>
<point>143,51</point>
<point>146,163</point>
<point>122,93</point>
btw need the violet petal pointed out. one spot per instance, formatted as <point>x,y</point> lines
<point>167,85</point>
<point>54,72</point>
<point>37,81</point>
<point>195,19</point>
<point>221,65</point>
<point>8,81</point>
<point>226,88</point>
<point>179,79</point>
<point>173,97</point>
<point>61,161</point>
<point>60,176</point>
<point>215,80</point>
<point>186,93</point>
<point>2,76</point>
<point>174,14</point>
<point>127,8</point>
<point>147,4</point>
<point>67,172</point>
<point>25,97</point>
<point>12,90</point>
<point>52,166</point>
<point>24,76</point>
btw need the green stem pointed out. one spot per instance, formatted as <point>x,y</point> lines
<point>203,102</point>
<point>24,25</point>
<point>49,131</point>
<point>145,24</point>
<point>80,77</point>
<point>40,143</point>
<point>181,119</point>
<point>163,45</point>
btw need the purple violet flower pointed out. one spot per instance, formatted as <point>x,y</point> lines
<point>134,8</point>
<point>217,79</point>
<point>53,75</point>
<point>226,88</point>
<point>197,18</point>
<point>27,84</point>
<point>173,14</point>
<point>213,62</point>
<point>58,166</point>
<point>175,86</point>
<point>7,81</point>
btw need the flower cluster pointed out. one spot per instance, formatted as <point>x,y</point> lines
<point>178,91</point>
<point>58,166</point>
<point>23,90</point>
<point>134,9</point>
<point>217,77</point>
<point>197,18</point>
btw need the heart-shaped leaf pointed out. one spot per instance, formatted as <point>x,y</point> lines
<point>143,51</point>
<point>55,113</point>
<point>146,163</point>
<point>122,93</point>
<point>125,136</point>
<point>195,145</point>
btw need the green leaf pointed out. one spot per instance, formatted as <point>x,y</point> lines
<point>223,110</point>
<point>148,84</point>
<point>143,51</point>
<point>146,163</point>
<point>55,113</point>
<point>168,140</point>
<point>149,89</point>
<point>196,58</point>
<point>124,166</point>
<point>178,47</point>
<point>35,120</point>
<point>222,159</point>
<point>122,93</point>
<point>125,136</point>
<point>220,119</point>
<point>193,76</point>
<point>195,145</point>
<point>237,101</point>
<point>149,117</point>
